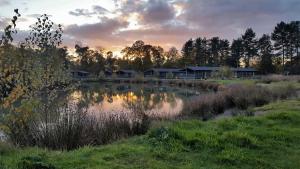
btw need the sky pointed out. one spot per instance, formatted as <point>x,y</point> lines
<point>114,24</point>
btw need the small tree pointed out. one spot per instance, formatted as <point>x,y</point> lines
<point>169,75</point>
<point>225,72</point>
<point>101,75</point>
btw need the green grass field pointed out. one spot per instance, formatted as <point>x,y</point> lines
<point>268,141</point>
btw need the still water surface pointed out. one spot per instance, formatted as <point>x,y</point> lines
<point>155,101</point>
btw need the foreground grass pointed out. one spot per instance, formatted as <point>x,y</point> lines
<point>268,141</point>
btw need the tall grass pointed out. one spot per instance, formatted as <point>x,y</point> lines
<point>238,96</point>
<point>278,78</point>
<point>70,127</point>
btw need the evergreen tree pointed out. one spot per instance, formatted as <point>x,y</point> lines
<point>237,51</point>
<point>265,49</point>
<point>279,36</point>
<point>187,52</point>
<point>214,46</point>
<point>224,51</point>
<point>201,51</point>
<point>249,45</point>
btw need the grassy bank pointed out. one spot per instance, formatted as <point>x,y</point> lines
<point>268,141</point>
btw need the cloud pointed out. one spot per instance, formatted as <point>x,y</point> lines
<point>4,22</point>
<point>96,10</point>
<point>150,12</point>
<point>158,11</point>
<point>229,18</point>
<point>99,10</point>
<point>4,2</point>
<point>81,12</point>
<point>104,31</point>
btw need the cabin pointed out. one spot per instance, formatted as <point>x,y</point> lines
<point>163,73</point>
<point>79,74</point>
<point>244,72</point>
<point>126,73</point>
<point>199,72</point>
<point>108,73</point>
<point>203,72</point>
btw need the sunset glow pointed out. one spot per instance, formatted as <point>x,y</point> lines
<point>116,24</point>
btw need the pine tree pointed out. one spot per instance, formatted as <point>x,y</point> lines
<point>279,36</point>
<point>187,52</point>
<point>250,46</point>
<point>265,49</point>
<point>237,51</point>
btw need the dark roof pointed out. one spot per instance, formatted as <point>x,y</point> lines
<point>80,71</point>
<point>164,70</point>
<point>207,68</point>
<point>195,68</point>
<point>127,71</point>
<point>244,69</point>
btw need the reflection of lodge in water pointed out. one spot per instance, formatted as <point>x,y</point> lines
<point>156,102</point>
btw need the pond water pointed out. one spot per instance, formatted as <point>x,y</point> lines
<point>99,113</point>
<point>162,102</point>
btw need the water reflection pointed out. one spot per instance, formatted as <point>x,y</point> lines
<point>153,101</point>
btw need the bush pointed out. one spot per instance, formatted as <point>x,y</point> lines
<point>225,72</point>
<point>34,162</point>
<point>6,148</point>
<point>166,139</point>
<point>169,75</point>
<point>139,78</point>
<point>239,139</point>
<point>101,75</point>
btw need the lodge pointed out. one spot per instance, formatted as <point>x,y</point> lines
<point>197,72</point>
<point>126,73</point>
<point>190,72</point>
<point>78,74</point>
<point>163,73</point>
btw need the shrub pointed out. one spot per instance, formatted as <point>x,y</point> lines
<point>34,162</point>
<point>5,148</point>
<point>139,78</point>
<point>166,139</point>
<point>169,75</point>
<point>101,75</point>
<point>239,139</point>
<point>224,72</point>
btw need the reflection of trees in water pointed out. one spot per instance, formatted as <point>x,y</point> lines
<point>146,98</point>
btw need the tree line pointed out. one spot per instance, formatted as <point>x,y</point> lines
<point>277,52</point>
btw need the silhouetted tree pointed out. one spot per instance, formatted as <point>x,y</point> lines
<point>171,57</point>
<point>237,51</point>
<point>265,49</point>
<point>214,51</point>
<point>250,46</point>
<point>187,52</point>
<point>201,51</point>
<point>158,56</point>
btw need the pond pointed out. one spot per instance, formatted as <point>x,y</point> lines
<point>99,113</point>
<point>156,102</point>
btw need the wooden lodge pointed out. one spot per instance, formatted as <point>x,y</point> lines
<point>196,72</point>
<point>79,74</point>
<point>203,72</point>
<point>126,73</point>
<point>190,72</point>
<point>163,73</point>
